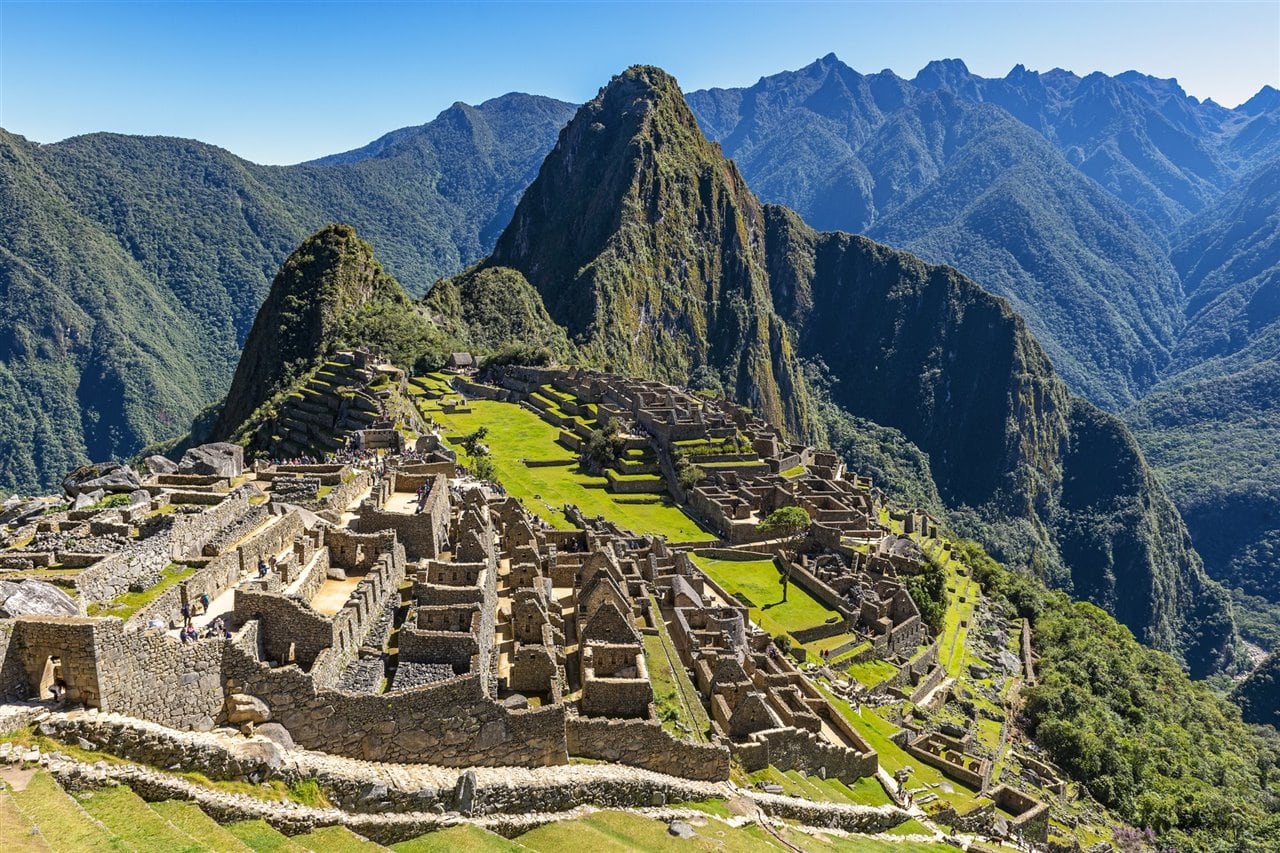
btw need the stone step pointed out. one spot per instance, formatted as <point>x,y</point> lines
<point>260,835</point>
<point>192,820</point>
<point>60,818</point>
<point>128,816</point>
<point>20,835</point>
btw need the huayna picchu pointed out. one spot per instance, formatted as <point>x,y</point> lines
<point>557,554</point>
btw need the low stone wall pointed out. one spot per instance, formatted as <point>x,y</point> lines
<point>644,743</point>
<point>798,749</point>
<point>192,531</point>
<point>451,723</point>
<point>139,563</point>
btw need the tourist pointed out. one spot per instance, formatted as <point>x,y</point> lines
<point>204,602</point>
<point>186,611</point>
<point>262,568</point>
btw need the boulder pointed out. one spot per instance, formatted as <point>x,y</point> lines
<point>1009,662</point>
<point>220,459</point>
<point>19,511</point>
<point>243,708</point>
<point>276,733</point>
<point>86,499</point>
<point>160,465</point>
<point>35,598</point>
<point>139,498</point>
<point>465,796</point>
<point>515,702</point>
<point>680,829</point>
<point>111,477</point>
<point>264,755</point>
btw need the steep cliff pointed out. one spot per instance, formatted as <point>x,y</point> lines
<point>646,245</point>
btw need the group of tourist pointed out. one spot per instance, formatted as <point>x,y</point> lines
<point>217,629</point>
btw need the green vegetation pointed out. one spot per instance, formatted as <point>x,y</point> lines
<point>335,839</point>
<point>784,522</point>
<point>929,591</point>
<point>189,818</point>
<point>261,837</point>
<point>60,819</point>
<point>129,603</point>
<point>1126,721</point>
<point>463,838</point>
<point>758,585</point>
<point>516,434</point>
<point>126,814</point>
<point>676,701</point>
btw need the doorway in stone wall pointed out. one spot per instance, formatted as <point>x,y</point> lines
<point>53,684</point>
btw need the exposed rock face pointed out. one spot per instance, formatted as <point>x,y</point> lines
<point>646,245</point>
<point>108,476</point>
<point>220,459</point>
<point>161,465</point>
<point>34,598</point>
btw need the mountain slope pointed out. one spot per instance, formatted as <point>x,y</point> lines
<point>330,294</point>
<point>643,243</point>
<point>928,169</point>
<point>157,252</point>
<point>1211,428</point>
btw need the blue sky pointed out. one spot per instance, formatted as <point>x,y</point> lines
<point>288,81</point>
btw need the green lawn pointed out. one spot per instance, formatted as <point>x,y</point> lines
<point>463,838</point>
<point>758,581</point>
<point>871,672</point>
<point>515,434</point>
<point>876,731</point>
<point>623,832</point>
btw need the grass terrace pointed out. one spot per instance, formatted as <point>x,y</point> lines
<point>516,434</point>
<point>129,603</point>
<point>675,698</point>
<point>757,584</point>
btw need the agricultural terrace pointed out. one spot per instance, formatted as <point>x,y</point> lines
<point>517,434</point>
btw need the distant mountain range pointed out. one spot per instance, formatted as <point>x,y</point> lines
<point>1132,227</point>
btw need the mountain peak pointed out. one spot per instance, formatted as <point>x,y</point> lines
<point>317,293</point>
<point>644,242</point>
<point>949,74</point>
<point>1267,99</point>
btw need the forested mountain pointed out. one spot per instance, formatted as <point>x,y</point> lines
<point>1132,226</point>
<point>1129,224</point>
<point>1213,427</point>
<point>657,260</point>
<point>1056,192</point>
<point>132,267</point>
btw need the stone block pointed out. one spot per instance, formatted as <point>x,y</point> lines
<point>243,708</point>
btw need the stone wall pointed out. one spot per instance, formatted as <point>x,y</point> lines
<point>451,723</point>
<point>155,677</point>
<point>139,562</point>
<point>192,531</point>
<point>797,749</point>
<point>644,743</point>
<point>71,639</point>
